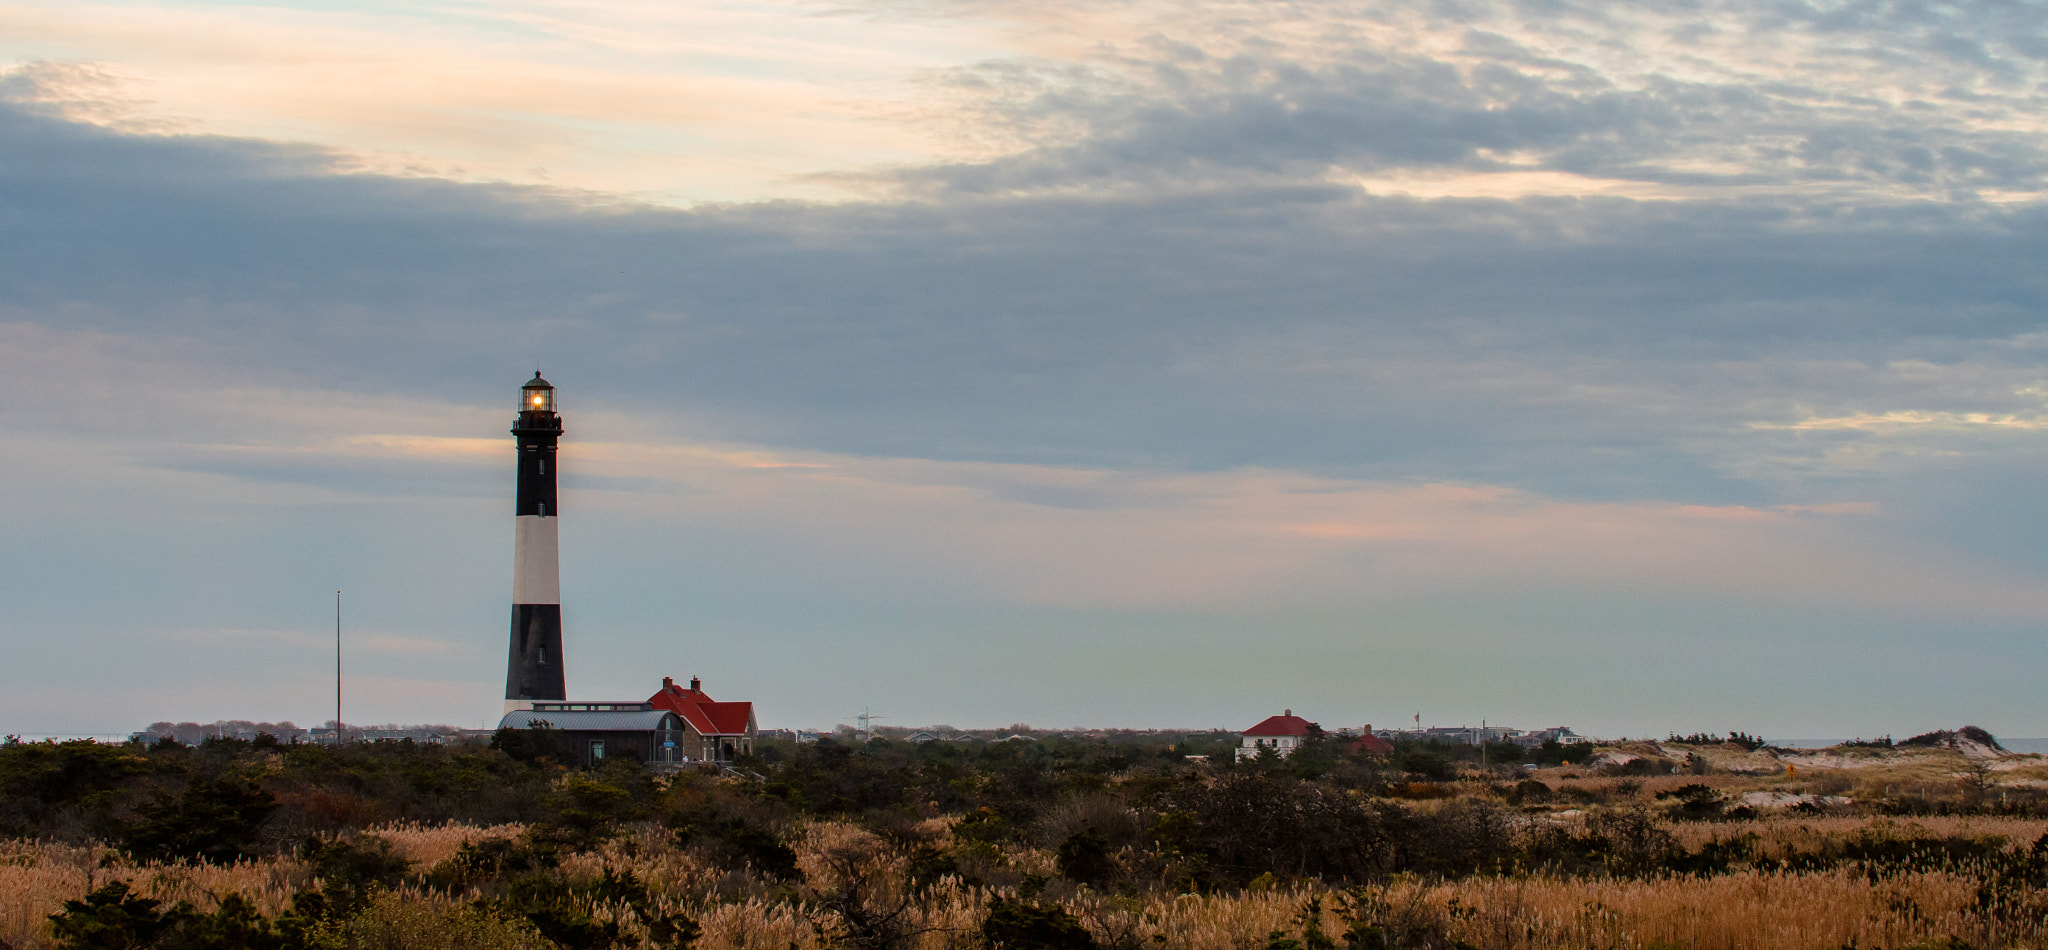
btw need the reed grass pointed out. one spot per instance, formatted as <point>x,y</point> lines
<point>738,910</point>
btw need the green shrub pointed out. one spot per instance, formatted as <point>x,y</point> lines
<point>113,918</point>
<point>1018,925</point>
<point>211,820</point>
<point>1084,858</point>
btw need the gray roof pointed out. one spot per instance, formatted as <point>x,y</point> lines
<point>647,720</point>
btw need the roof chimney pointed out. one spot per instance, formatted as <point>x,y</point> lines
<point>696,685</point>
<point>668,682</point>
<point>1286,712</point>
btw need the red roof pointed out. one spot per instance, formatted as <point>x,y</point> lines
<point>1372,745</point>
<point>1283,725</point>
<point>704,714</point>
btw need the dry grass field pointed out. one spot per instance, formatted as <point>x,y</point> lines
<point>1849,848</point>
<point>1741,910</point>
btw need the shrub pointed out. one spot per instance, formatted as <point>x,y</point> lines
<point>493,858</point>
<point>348,872</point>
<point>1084,858</point>
<point>1694,802</point>
<point>113,918</point>
<point>1528,791</point>
<point>1250,824</point>
<point>1641,765</point>
<point>53,786</point>
<point>1947,739</point>
<point>1460,838</point>
<point>569,914</point>
<point>1743,739</point>
<point>583,812</point>
<point>212,820</point>
<point>1427,764</point>
<point>535,744</point>
<point>1018,925</point>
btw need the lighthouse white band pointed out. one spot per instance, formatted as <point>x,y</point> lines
<point>536,567</point>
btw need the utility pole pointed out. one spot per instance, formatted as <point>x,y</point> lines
<point>866,729</point>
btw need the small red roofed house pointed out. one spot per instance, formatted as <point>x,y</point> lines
<point>1282,734</point>
<point>713,731</point>
<point>1369,744</point>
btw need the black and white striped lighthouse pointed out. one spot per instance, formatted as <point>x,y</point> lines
<point>534,670</point>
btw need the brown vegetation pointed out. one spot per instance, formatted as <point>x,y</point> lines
<point>897,848</point>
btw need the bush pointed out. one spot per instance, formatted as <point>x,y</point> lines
<point>1553,752</point>
<point>1641,765</point>
<point>1528,791</point>
<point>583,812</point>
<point>1948,738</point>
<point>1084,858</point>
<point>1246,825</point>
<point>1743,739</point>
<point>113,918</point>
<point>1017,925</point>
<point>1426,764</point>
<point>1462,837</point>
<point>348,871</point>
<point>1694,802</point>
<point>212,820</point>
<point>535,744</point>
<point>65,787</point>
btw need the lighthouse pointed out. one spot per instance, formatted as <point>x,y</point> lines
<point>534,669</point>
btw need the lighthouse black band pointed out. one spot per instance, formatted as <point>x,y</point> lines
<point>534,670</point>
<point>538,433</point>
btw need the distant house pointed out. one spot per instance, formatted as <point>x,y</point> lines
<point>1454,735</point>
<point>1562,735</point>
<point>716,732</point>
<point>1282,734</point>
<point>1369,744</point>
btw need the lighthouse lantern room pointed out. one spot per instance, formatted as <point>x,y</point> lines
<point>537,395</point>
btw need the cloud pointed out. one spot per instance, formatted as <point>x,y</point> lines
<point>1557,345</point>
<point>1901,420</point>
<point>1686,101</point>
<point>1140,379</point>
<point>687,102</point>
<point>690,102</point>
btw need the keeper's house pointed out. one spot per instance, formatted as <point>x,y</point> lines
<point>674,727</point>
<point>716,732</point>
<point>591,733</point>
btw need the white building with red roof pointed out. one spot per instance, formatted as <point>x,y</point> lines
<point>713,731</point>
<point>1282,734</point>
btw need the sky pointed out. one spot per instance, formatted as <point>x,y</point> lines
<point>1634,367</point>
